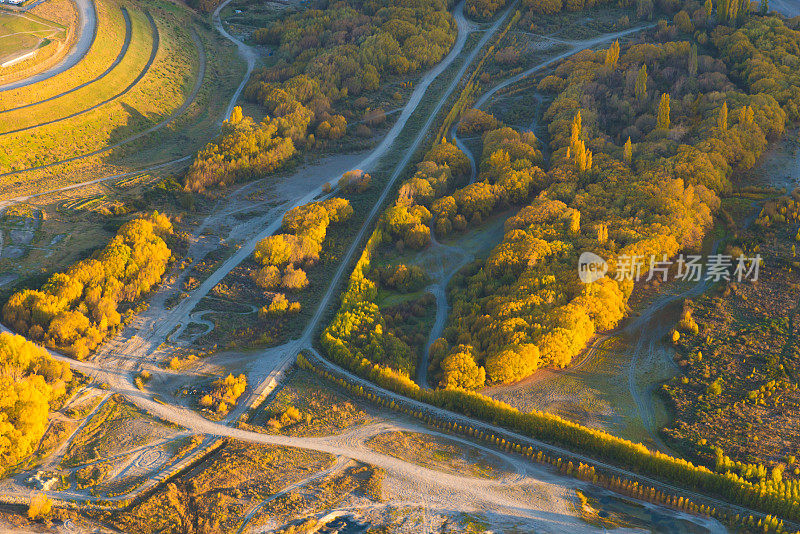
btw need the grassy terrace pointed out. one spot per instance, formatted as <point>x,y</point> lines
<point>107,45</point>
<point>132,63</point>
<point>162,90</point>
<point>184,130</point>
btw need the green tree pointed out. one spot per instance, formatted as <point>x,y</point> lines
<point>693,60</point>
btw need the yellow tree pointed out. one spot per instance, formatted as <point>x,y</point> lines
<point>40,506</point>
<point>577,130</point>
<point>612,55</point>
<point>722,118</point>
<point>663,113</point>
<point>746,115</point>
<point>602,233</point>
<point>641,84</point>
<point>583,156</point>
<point>627,151</point>
<point>236,115</point>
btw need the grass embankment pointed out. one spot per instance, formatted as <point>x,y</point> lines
<point>107,46</point>
<point>134,61</point>
<point>163,89</point>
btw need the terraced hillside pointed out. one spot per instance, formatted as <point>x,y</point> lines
<point>149,76</point>
<point>110,46</point>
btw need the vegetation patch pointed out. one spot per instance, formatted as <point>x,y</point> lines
<point>215,494</point>
<point>301,407</point>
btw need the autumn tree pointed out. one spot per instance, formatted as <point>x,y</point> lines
<point>30,381</point>
<point>236,115</point>
<point>612,55</point>
<point>722,117</point>
<point>627,151</point>
<point>663,120</point>
<point>640,89</point>
<point>77,309</point>
<point>40,506</point>
<point>459,370</point>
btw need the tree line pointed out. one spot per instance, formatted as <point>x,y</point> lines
<point>644,141</point>
<point>77,309</point>
<point>31,382</point>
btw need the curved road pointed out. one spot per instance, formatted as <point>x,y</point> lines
<point>577,46</point>
<point>116,367</point>
<point>88,21</point>
<point>248,53</point>
<point>125,45</point>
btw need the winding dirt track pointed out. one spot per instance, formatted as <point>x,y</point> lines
<point>126,43</point>
<point>248,54</point>
<point>439,292</point>
<point>116,366</point>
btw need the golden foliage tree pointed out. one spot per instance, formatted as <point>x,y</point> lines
<point>40,507</point>
<point>29,381</point>
<point>627,151</point>
<point>722,117</point>
<point>612,55</point>
<point>663,120</point>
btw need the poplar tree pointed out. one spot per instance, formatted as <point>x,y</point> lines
<point>612,56</point>
<point>693,61</point>
<point>641,84</point>
<point>663,113</point>
<point>627,151</point>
